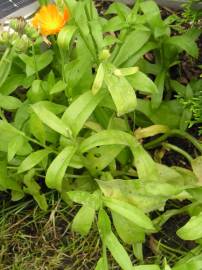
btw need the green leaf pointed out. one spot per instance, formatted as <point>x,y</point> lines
<point>147,267</point>
<point>86,198</point>
<point>106,137</point>
<point>41,200</point>
<point>141,82</point>
<point>114,24</point>
<point>77,196</point>
<point>112,243</point>
<point>7,133</point>
<point>56,171</point>
<point>65,36</point>
<point>138,38</point>
<point>197,168</point>
<point>83,220</point>
<point>9,102</point>
<point>14,146</point>
<point>130,212</point>
<point>146,167</point>
<point>53,107</point>
<point>194,263</point>
<point>22,115</point>
<point>80,110</point>
<point>192,230</point>
<point>104,224</point>
<point>6,182</point>
<point>96,30</point>
<point>37,128</point>
<point>37,62</point>
<point>122,93</point>
<point>166,267</point>
<point>12,83</point>
<point>71,4</point>
<point>137,192</point>
<point>16,195</point>
<point>58,87</point>
<point>33,188</point>
<point>101,265</point>
<point>36,92</point>
<point>148,46</point>
<point>99,158</point>
<point>50,119</point>
<point>118,251</point>
<point>5,64</point>
<point>153,18</point>
<point>178,87</point>
<point>127,230</point>
<point>32,160</point>
<point>185,43</point>
<point>168,113</point>
<point>158,96</point>
<point>78,73</point>
<point>119,9</point>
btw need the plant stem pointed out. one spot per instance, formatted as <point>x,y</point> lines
<point>62,56</point>
<point>156,142</point>
<point>38,143</point>
<point>174,132</point>
<point>35,62</point>
<point>187,136</point>
<point>173,250</point>
<point>178,150</point>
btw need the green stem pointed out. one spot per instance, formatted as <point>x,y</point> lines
<point>187,136</point>
<point>174,132</point>
<point>178,150</point>
<point>62,56</point>
<point>156,142</point>
<point>35,62</point>
<point>117,48</point>
<point>173,250</point>
<point>38,143</point>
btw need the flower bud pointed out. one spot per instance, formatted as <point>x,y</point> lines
<point>31,32</point>
<point>21,44</point>
<point>14,24</point>
<point>4,37</point>
<point>18,24</point>
<point>13,38</point>
<point>97,84</point>
<point>125,71</point>
<point>104,55</point>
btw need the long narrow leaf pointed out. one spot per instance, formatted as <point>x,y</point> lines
<point>130,212</point>
<point>56,170</point>
<point>80,110</point>
<point>32,160</point>
<point>51,120</point>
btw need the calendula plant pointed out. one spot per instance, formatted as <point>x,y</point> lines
<point>75,109</point>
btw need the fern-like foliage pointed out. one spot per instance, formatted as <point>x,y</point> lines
<point>197,110</point>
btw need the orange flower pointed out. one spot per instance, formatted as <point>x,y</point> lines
<point>49,20</point>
